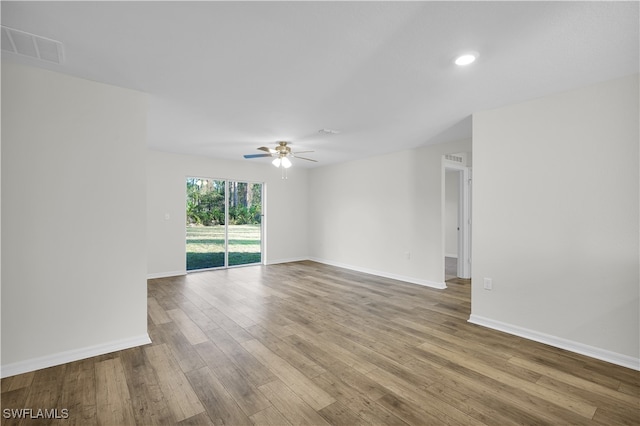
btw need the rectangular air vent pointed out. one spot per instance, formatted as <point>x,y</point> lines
<point>31,45</point>
<point>455,158</point>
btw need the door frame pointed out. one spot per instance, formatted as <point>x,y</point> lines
<point>464,218</point>
<point>227,192</point>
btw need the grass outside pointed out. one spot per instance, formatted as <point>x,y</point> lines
<point>205,246</point>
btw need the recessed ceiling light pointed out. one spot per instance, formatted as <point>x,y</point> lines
<point>466,58</point>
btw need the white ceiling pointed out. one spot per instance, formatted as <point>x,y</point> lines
<point>226,77</point>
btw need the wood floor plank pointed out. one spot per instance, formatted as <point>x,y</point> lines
<point>290,405</point>
<point>237,384</point>
<point>238,333</point>
<point>183,351</point>
<point>287,352</point>
<point>113,402</point>
<point>14,400</point>
<point>294,379</point>
<point>149,404</point>
<point>201,419</point>
<point>574,381</point>
<point>404,390</point>
<point>257,373</point>
<point>409,412</point>
<point>629,389</point>
<point>263,291</point>
<point>79,393</point>
<point>352,343</point>
<point>622,409</point>
<point>478,353</point>
<point>156,312</point>
<point>17,382</point>
<point>338,414</point>
<point>308,343</point>
<point>46,389</point>
<point>181,398</point>
<point>612,416</point>
<point>198,317</point>
<point>344,355</point>
<point>270,416</point>
<point>224,307</point>
<point>320,357</point>
<point>357,400</point>
<point>219,318</point>
<point>216,399</point>
<point>359,335</point>
<point>190,330</point>
<point>511,401</point>
<point>488,410</point>
<point>361,383</point>
<point>577,405</point>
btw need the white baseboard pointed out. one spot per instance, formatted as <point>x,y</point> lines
<point>180,273</point>
<point>558,342</point>
<point>165,274</point>
<point>72,355</point>
<point>411,280</point>
<point>291,259</point>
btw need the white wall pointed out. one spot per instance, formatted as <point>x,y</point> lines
<point>285,207</point>
<point>556,220</point>
<point>368,214</point>
<point>73,218</point>
<point>452,195</point>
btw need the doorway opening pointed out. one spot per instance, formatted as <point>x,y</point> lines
<point>457,216</point>
<point>451,223</point>
<point>224,223</point>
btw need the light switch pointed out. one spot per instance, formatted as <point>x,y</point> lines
<point>488,283</point>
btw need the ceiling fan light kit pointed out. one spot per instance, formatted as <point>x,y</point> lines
<point>284,162</point>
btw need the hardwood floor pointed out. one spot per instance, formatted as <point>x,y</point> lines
<point>305,343</point>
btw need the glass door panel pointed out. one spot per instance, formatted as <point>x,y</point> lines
<point>206,217</point>
<point>245,223</point>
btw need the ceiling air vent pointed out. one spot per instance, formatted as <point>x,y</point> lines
<point>455,158</point>
<point>31,45</point>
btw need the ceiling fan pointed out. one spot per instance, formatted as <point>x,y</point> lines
<point>282,152</point>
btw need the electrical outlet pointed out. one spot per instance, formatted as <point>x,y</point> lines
<point>407,255</point>
<point>488,283</point>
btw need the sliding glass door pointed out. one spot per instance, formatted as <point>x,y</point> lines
<point>206,218</point>
<point>224,223</point>
<point>245,223</point>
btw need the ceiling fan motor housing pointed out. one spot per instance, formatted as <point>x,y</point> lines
<point>283,149</point>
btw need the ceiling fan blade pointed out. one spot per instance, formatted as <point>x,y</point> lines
<point>270,150</point>
<point>301,152</point>
<point>302,158</point>
<point>256,155</point>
